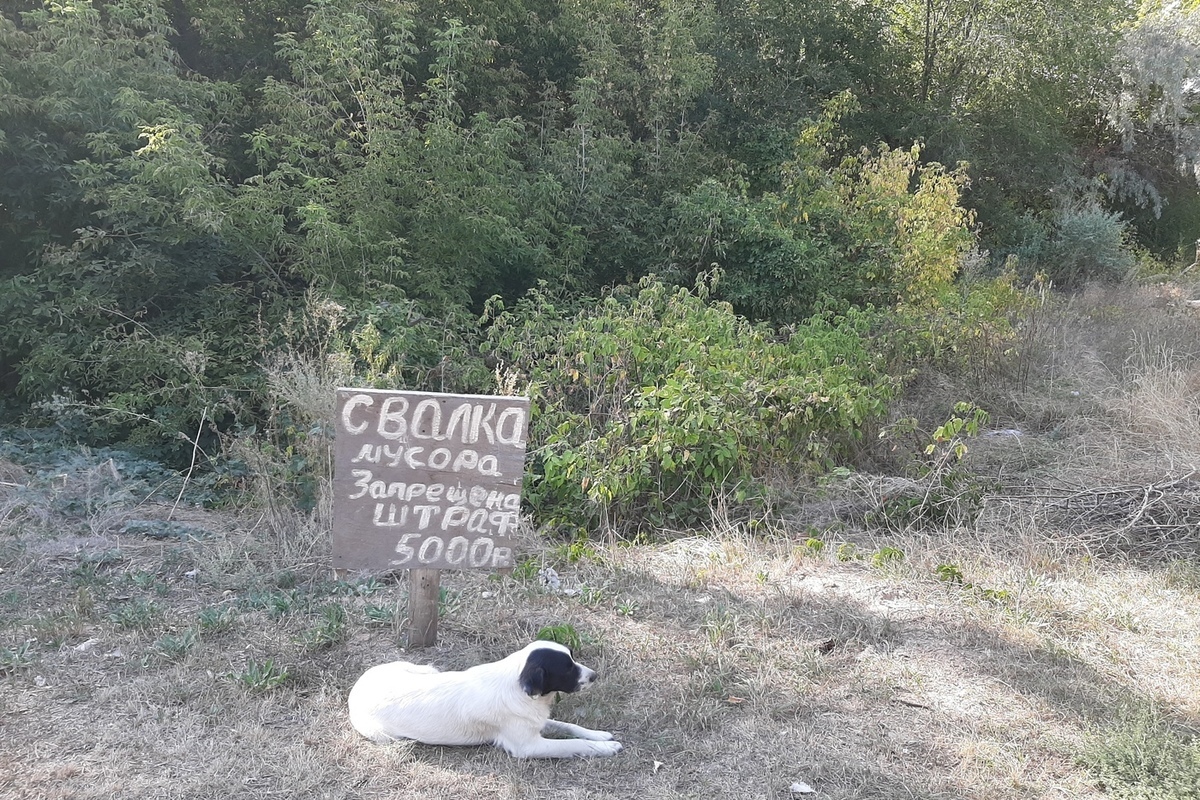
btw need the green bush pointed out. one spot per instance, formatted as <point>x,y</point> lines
<point>563,633</point>
<point>1145,758</point>
<point>1088,244</point>
<point>942,492</point>
<point>970,329</point>
<point>656,399</point>
<point>770,271</point>
<point>874,227</point>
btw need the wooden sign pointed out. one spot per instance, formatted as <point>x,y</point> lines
<point>425,480</point>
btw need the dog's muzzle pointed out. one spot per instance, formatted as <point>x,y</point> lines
<point>586,676</point>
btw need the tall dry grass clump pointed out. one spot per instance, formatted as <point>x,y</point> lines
<point>291,459</point>
<point>1134,354</point>
<point>1087,440</point>
<point>1114,414</point>
<point>1161,399</point>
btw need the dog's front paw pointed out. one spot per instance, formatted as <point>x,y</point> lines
<point>600,736</point>
<point>606,749</point>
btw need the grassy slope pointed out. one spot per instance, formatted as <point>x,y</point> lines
<point>731,664</point>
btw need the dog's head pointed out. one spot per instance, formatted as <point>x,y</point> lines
<point>549,668</point>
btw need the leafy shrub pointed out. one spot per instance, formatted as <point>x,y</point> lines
<point>885,556</point>
<point>394,345</point>
<point>1088,244</point>
<point>877,227</point>
<point>262,676</point>
<point>942,491</point>
<point>563,633</point>
<point>1146,758</point>
<point>654,400</point>
<point>771,271</point>
<point>950,573</point>
<point>329,630</point>
<point>812,546</point>
<point>966,329</point>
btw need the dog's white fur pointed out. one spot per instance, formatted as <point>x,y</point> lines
<point>485,704</point>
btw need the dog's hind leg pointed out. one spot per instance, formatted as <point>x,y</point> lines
<point>554,726</point>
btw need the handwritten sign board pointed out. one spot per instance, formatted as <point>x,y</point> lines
<point>425,480</point>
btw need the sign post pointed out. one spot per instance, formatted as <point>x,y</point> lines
<point>423,592</point>
<point>426,481</point>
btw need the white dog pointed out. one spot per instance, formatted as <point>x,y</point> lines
<point>505,703</point>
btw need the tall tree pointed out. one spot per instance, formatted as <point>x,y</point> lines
<point>113,207</point>
<point>1013,87</point>
<point>778,61</point>
<point>1152,164</point>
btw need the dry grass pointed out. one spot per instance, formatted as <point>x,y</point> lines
<point>732,665</point>
<point>1118,399</point>
<point>978,659</point>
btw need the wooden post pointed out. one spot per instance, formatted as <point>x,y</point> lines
<point>423,588</point>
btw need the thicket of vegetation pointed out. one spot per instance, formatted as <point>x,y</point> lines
<point>711,238</point>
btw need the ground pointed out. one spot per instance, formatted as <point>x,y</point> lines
<point>731,665</point>
<point>1031,635</point>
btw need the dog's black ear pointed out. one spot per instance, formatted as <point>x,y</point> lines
<point>533,679</point>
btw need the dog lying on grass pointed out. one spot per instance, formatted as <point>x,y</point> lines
<point>505,703</point>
